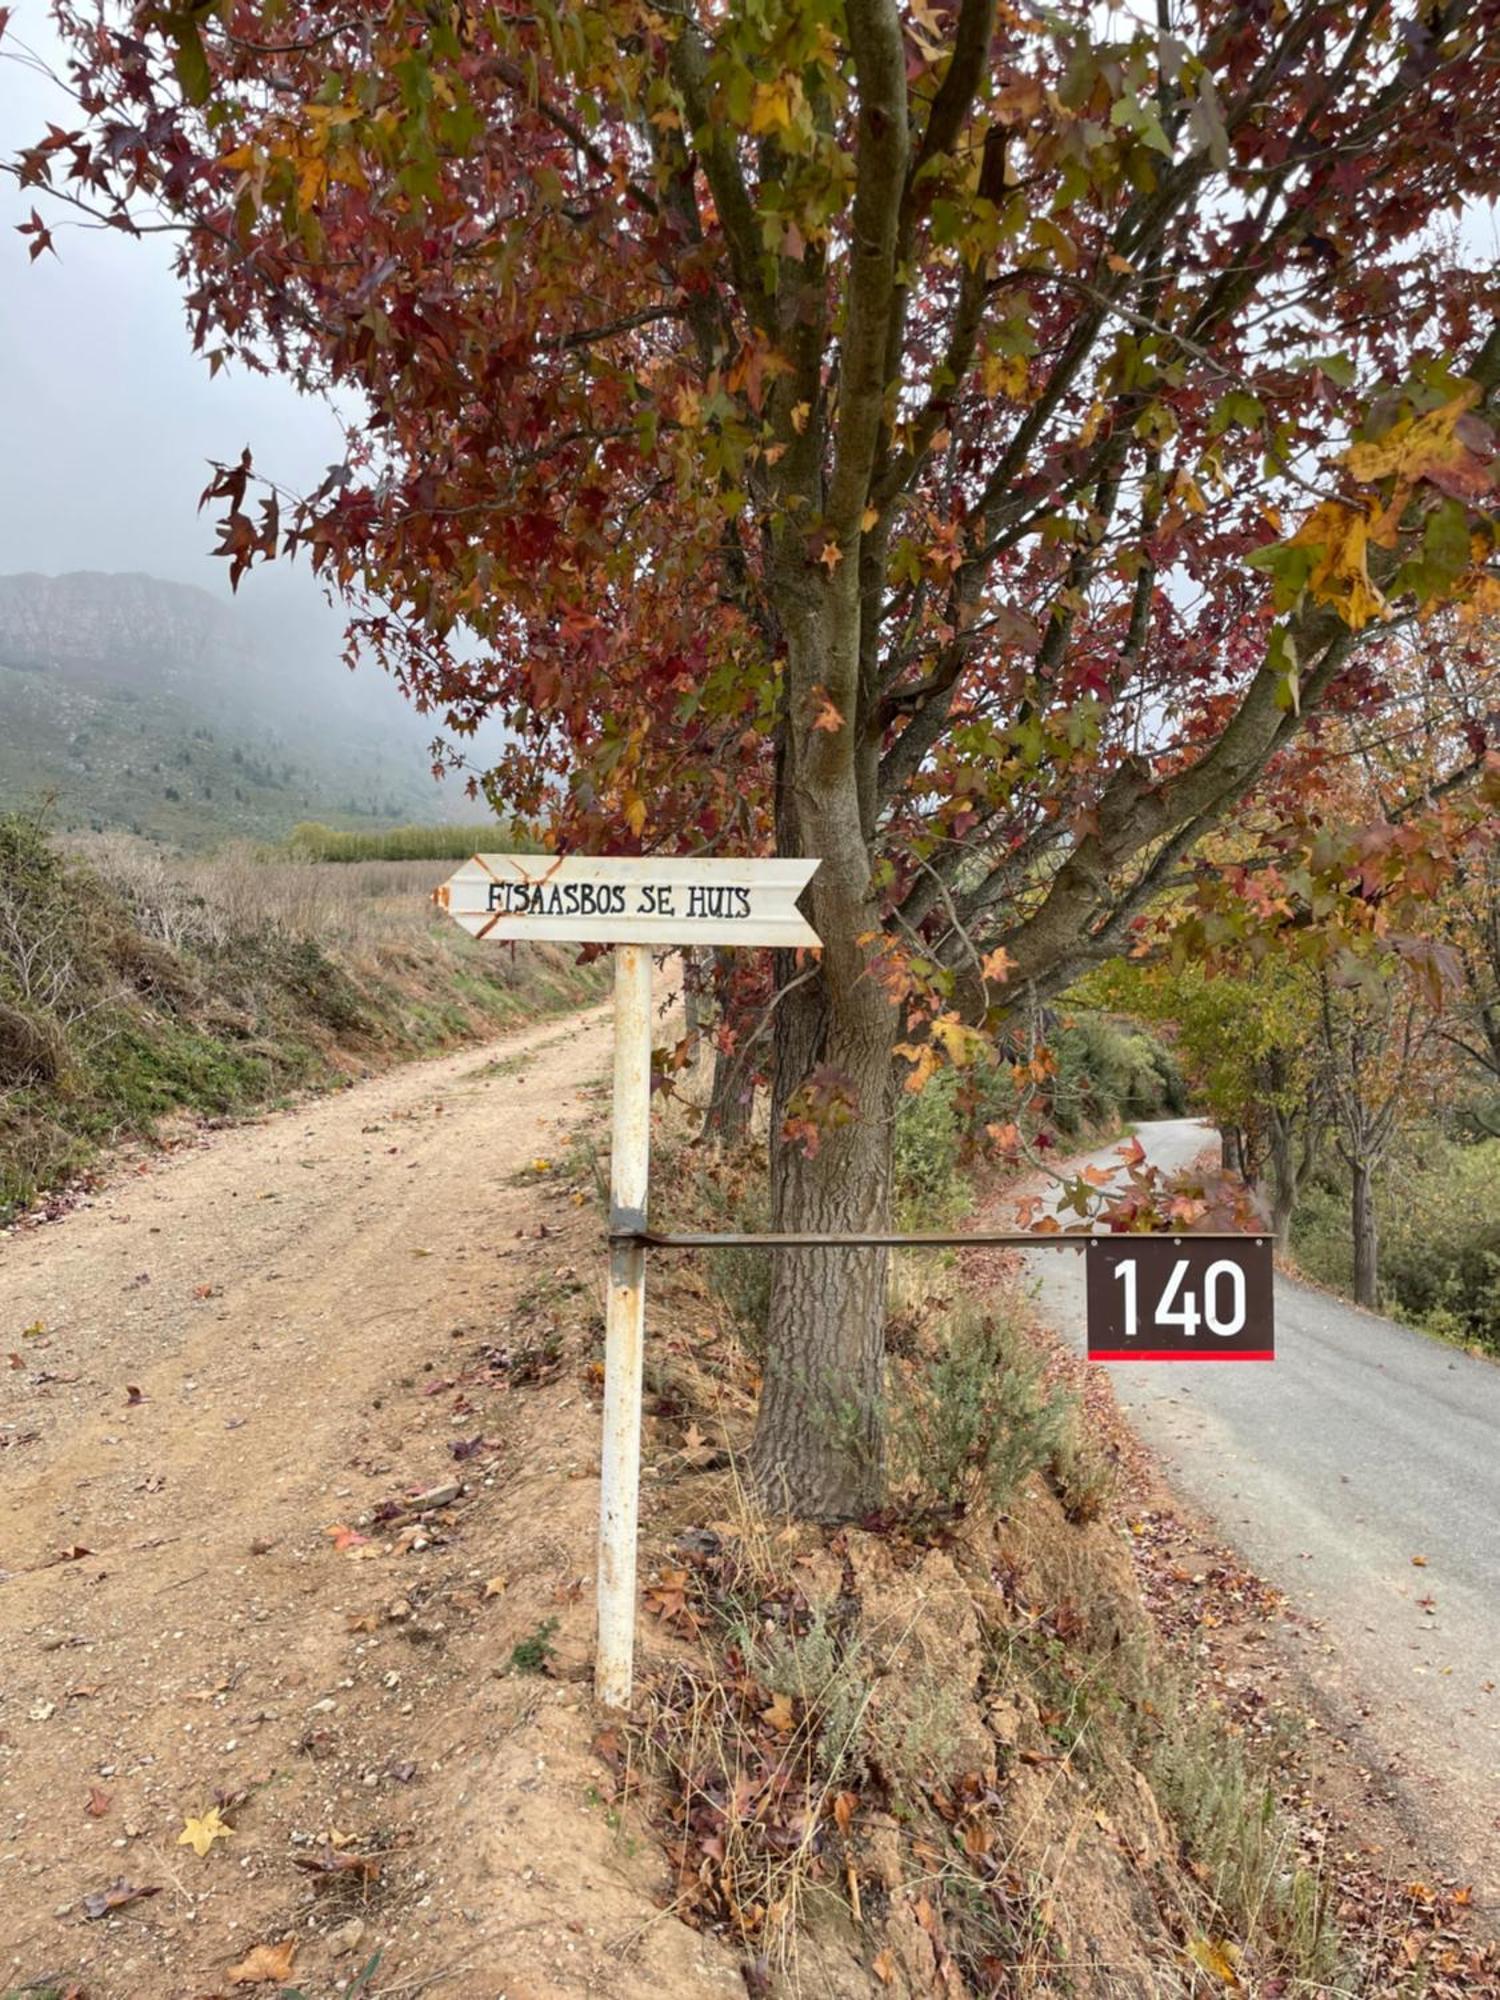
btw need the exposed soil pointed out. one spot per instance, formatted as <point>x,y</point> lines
<point>230,1355</point>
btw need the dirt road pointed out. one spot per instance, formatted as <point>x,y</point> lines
<point>216,1367</point>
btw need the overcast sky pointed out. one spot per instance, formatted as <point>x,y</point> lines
<point>107,418</point>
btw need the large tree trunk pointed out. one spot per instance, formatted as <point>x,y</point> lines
<point>819,1448</point>
<point>1366,1237</point>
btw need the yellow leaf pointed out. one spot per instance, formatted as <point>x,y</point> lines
<point>1218,1958</point>
<point>960,1043</point>
<point>800,414</point>
<point>1006,375</point>
<point>1416,449</point>
<point>200,1834</point>
<point>868,519</point>
<point>997,964</point>
<point>1341,575</point>
<point>776,106</point>
<point>496,1586</point>
<point>923,1059</point>
<point>635,814</point>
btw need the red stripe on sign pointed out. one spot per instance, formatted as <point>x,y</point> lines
<point>1176,1354</point>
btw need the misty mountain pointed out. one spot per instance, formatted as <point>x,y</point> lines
<point>189,718</point>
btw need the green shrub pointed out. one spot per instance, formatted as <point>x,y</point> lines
<point>971,1421</point>
<point>930,1189</point>
<point>1108,1072</point>
<point>1438,1207</point>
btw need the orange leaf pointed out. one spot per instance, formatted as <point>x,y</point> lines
<point>825,715</point>
<point>266,1965</point>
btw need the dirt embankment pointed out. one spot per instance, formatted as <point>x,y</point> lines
<point>297,1504</point>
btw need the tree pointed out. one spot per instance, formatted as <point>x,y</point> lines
<point>1379,1058</point>
<point>851,428</point>
<point>1248,1036</point>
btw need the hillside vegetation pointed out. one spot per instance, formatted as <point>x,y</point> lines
<point>131,702</point>
<point>132,988</point>
<point>312,841</point>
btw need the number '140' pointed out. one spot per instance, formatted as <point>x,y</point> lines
<point>1222,1308</point>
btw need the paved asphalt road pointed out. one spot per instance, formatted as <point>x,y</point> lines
<point>1363,1445</point>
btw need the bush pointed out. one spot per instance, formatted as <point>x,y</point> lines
<point>930,1188</point>
<point>974,1419</point>
<point>1438,1206</point>
<point>1108,1073</point>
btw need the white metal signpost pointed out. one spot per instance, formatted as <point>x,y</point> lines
<point>636,905</point>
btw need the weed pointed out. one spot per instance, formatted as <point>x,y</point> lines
<point>972,1420</point>
<point>533,1654</point>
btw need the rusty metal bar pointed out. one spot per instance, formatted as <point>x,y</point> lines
<point>931,1239</point>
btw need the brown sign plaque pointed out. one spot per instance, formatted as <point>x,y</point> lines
<point>1180,1298</point>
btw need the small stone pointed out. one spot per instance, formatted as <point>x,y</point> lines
<point>348,1937</point>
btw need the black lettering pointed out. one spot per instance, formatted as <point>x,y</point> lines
<point>495,899</point>
<point>742,902</point>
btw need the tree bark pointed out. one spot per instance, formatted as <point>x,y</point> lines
<point>1366,1236</point>
<point>819,1449</point>
<point>727,1119</point>
<point>1283,1179</point>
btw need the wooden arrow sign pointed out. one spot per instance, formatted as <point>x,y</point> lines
<point>630,899</point>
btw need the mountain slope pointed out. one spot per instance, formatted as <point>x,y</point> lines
<point>151,705</point>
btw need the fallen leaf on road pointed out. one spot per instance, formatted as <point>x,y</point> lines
<point>200,1834</point>
<point>133,1394</point>
<point>328,1866</point>
<point>345,1539</point>
<point>266,1964</point>
<point>98,1802</point>
<point>1419,1562</point>
<point>496,1585</point>
<point>35,1331</point>
<point>100,1902</point>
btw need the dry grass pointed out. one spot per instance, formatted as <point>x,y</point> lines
<point>204,901</point>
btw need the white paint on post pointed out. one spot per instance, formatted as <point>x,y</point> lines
<point>624,1332</point>
<point>631,899</point>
